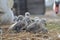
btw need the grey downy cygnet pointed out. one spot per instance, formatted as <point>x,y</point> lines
<point>36,26</point>
<point>43,25</point>
<point>27,18</point>
<point>18,26</point>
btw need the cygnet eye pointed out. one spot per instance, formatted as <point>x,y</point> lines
<point>27,14</point>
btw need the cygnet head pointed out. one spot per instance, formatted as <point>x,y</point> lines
<point>37,19</point>
<point>27,14</point>
<point>20,17</point>
<point>43,20</point>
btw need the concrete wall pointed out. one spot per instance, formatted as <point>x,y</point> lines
<point>36,6</point>
<point>33,6</point>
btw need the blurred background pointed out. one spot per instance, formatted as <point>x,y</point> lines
<point>35,7</point>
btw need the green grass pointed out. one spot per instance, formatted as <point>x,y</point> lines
<point>53,26</point>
